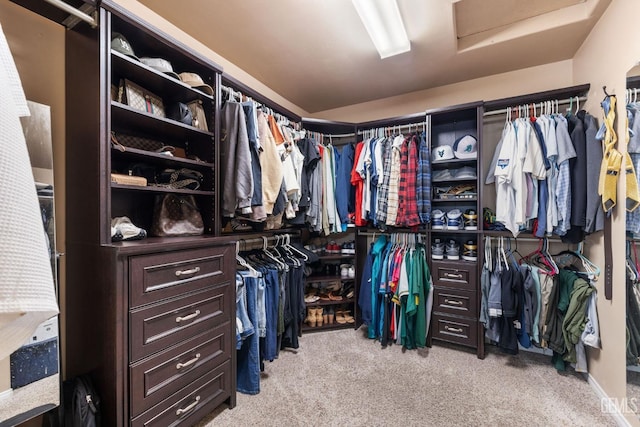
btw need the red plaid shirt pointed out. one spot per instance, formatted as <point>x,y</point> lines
<point>407,204</point>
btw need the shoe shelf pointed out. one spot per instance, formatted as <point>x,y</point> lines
<point>445,231</point>
<point>335,257</point>
<point>331,302</point>
<point>327,327</point>
<point>324,279</point>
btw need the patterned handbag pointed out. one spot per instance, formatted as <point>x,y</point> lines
<point>199,117</point>
<point>176,215</point>
<point>122,141</point>
<point>139,98</point>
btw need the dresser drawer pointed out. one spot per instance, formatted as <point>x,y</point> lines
<point>160,376</point>
<point>460,302</point>
<point>192,403</point>
<point>456,330</point>
<point>159,276</point>
<point>160,326</point>
<point>460,275</point>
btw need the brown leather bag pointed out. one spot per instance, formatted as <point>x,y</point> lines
<point>176,215</point>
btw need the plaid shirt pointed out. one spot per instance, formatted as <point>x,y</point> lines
<point>407,206</point>
<point>383,183</point>
<point>394,181</point>
<point>423,186</point>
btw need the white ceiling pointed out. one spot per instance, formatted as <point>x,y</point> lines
<point>317,54</point>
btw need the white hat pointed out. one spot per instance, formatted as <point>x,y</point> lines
<point>442,152</point>
<point>161,65</point>
<point>466,147</point>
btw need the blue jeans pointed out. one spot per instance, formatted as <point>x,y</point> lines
<point>244,327</point>
<point>261,307</point>
<point>269,351</point>
<point>248,356</point>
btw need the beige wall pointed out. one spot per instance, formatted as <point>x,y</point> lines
<point>535,79</point>
<point>610,50</point>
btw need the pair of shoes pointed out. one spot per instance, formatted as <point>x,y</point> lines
<point>470,251</point>
<point>348,248</point>
<point>344,316</point>
<point>446,221</point>
<point>123,229</point>
<point>312,317</point>
<point>328,316</point>
<point>347,271</point>
<point>332,248</point>
<point>311,297</point>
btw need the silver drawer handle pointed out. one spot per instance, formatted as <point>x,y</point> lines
<point>188,317</point>
<point>453,276</point>
<point>450,329</point>
<point>453,302</point>
<point>190,272</point>
<point>189,362</point>
<point>188,408</point>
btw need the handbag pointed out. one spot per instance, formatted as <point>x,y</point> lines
<point>121,142</point>
<point>81,403</point>
<point>139,98</point>
<point>176,215</point>
<point>180,178</point>
<point>199,117</point>
<point>181,113</point>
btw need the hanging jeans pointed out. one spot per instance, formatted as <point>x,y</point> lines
<point>248,356</point>
<point>244,327</point>
<point>269,347</point>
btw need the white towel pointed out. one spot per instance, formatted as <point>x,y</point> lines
<point>27,296</point>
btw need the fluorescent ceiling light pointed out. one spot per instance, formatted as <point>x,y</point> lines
<point>384,24</point>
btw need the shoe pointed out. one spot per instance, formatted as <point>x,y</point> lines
<point>452,250</point>
<point>116,235</point>
<point>344,271</point>
<point>454,219</point>
<point>348,248</point>
<point>470,219</point>
<point>351,272</point>
<point>331,315</point>
<point>128,230</point>
<point>340,317</point>
<point>311,317</point>
<point>437,249</point>
<point>348,317</point>
<point>319,318</point>
<point>311,297</point>
<point>470,251</point>
<point>437,220</point>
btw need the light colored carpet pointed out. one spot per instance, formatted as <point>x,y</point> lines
<point>342,378</point>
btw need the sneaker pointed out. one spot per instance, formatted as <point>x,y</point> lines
<point>470,219</point>
<point>116,235</point>
<point>344,271</point>
<point>454,219</point>
<point>452,250</point>
<point>348,248</point>
<point>437,220</point>
<point>437,249</point>
<point>129,231</point>
<point>470,251</point>
<point>351,272</point>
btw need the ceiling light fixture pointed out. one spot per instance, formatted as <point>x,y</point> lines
<point>384,24</point>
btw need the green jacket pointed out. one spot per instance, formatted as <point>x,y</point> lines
<point>575,318</point>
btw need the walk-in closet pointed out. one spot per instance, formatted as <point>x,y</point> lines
<point>234,213</point>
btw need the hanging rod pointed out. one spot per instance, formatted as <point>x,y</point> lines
<point>560,102</point>
<point>394,127</point>
<point>73,11</point>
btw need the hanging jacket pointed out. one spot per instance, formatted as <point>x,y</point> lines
<point>576,316</point>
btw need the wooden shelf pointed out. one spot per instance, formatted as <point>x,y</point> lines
<point>326,279</point>
<point>158,158</point>
<point>467,199</point>
<point>455,231</point>
<point>330,326</point>
<point>324,302</point>
<point>156,189</point>
<point>437,181</point>
<point>335,257</point>
<point>444,164</point>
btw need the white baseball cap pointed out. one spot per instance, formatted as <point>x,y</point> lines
<point>161,65</point>
<point>442,152</point>
<point>466,147</point>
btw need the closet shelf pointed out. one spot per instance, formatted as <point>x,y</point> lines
<point>126,118</point>
<point>334,325</point>
<point>463,199</point>
<point>172,90</point>
<point>323,279</point>
<point>435,181</point>
<point>332,302</point>
<point>336,257</point>
<point>444,164</point>
<point>455,231</point>
<point>163,190</point>
<point>135,153</point>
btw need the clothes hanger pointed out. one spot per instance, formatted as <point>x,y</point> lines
<point>240,260</point>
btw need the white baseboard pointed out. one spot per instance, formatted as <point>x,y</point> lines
<point>618,417</point>
<point>6,393</point>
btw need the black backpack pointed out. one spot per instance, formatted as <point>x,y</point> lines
<point>82,404</point>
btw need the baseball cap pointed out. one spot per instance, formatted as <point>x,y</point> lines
<point>119,43</point>
<point>442,152</point>
<point>194,80</point>
<point>161,65</point>
<point>466,147</point>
